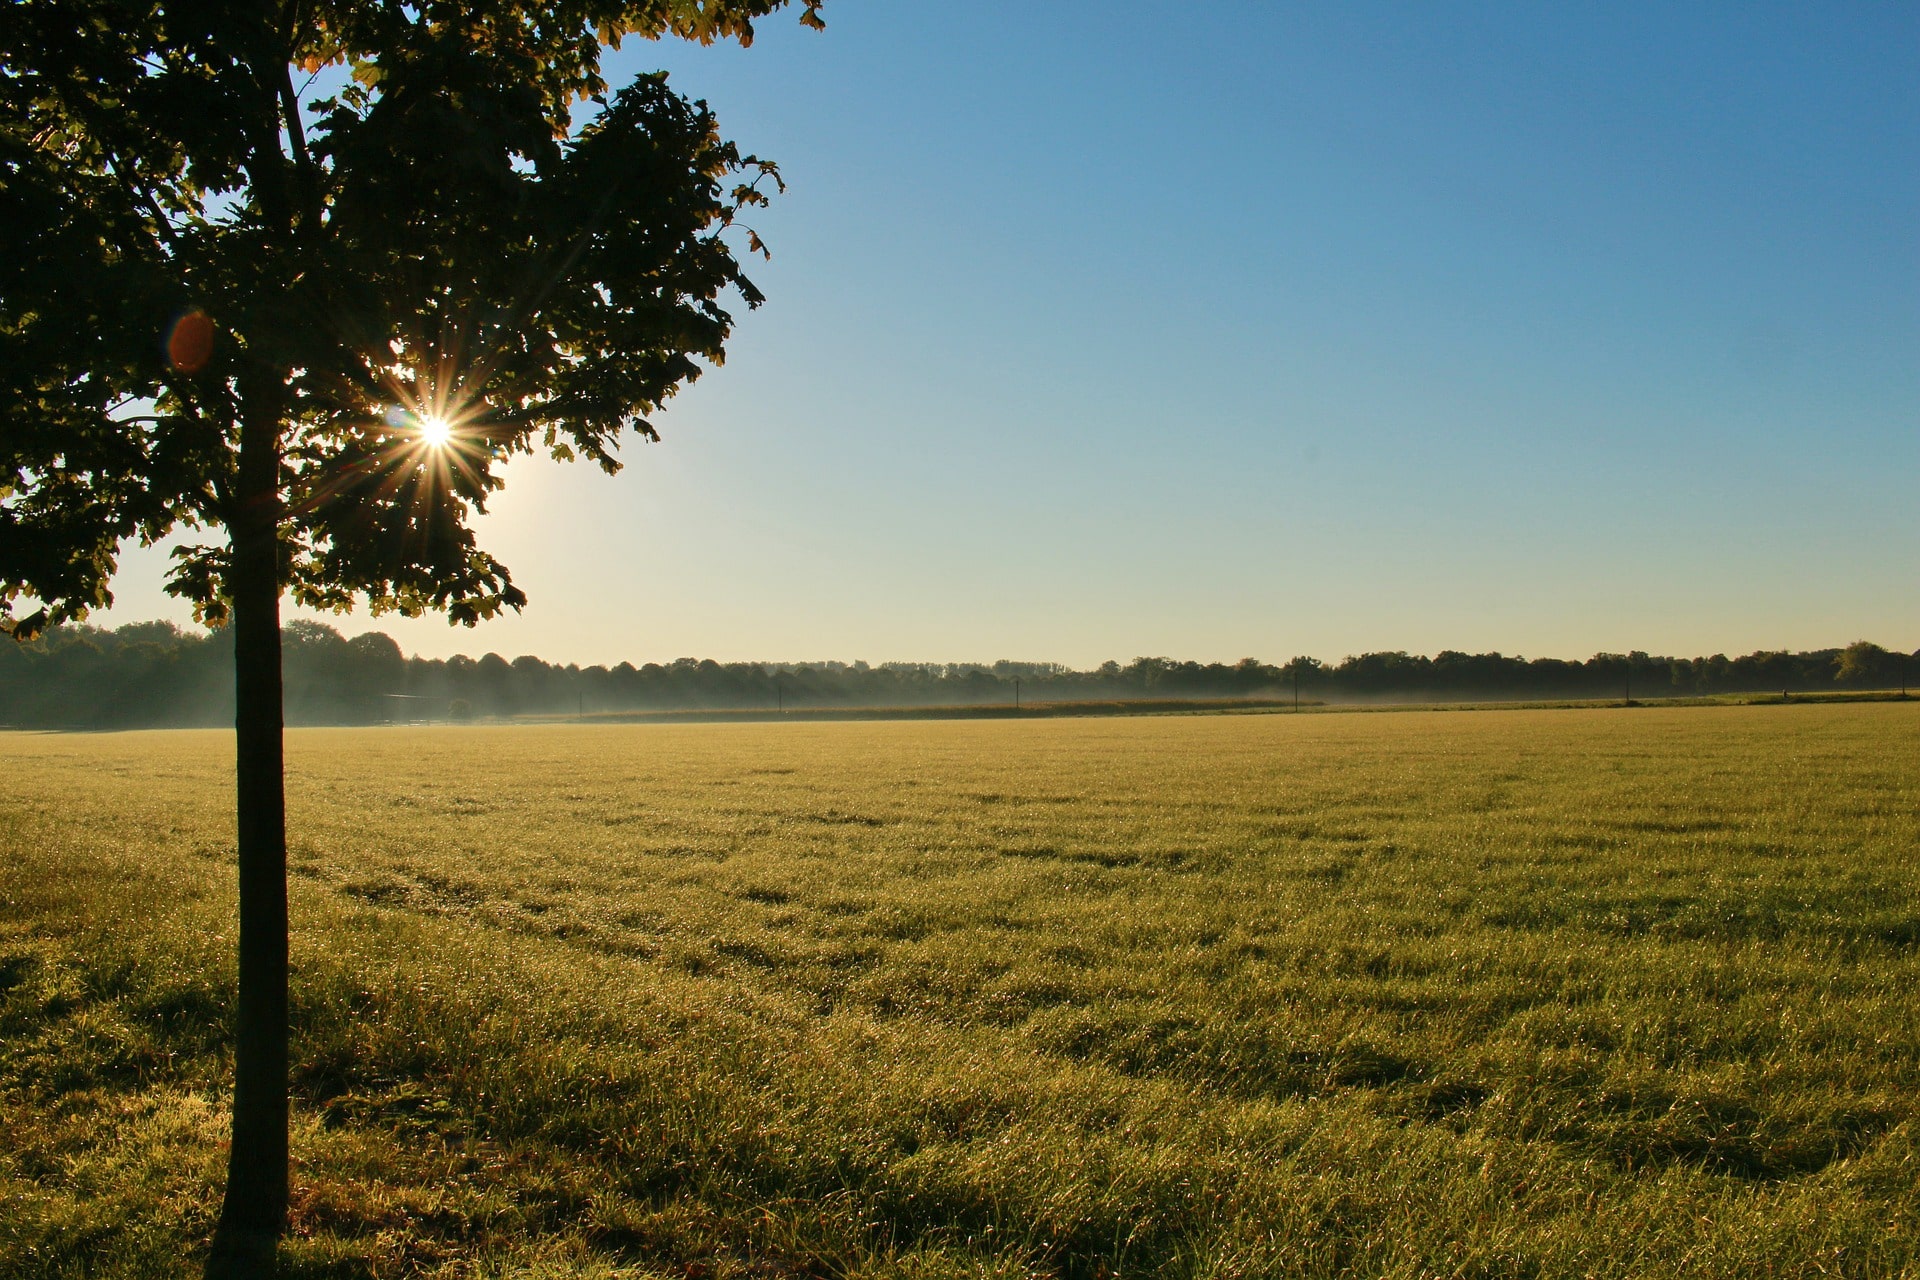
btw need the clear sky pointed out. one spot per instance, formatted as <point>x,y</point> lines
<point>1253,329</point>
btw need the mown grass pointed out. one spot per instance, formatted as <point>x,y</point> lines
<point>1608,993</point>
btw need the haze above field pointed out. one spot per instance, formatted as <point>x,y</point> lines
<point>1290,332</point>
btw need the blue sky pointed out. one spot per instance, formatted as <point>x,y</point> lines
<point>1092,333</point>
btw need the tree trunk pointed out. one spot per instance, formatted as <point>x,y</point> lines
<point>254,1214</point>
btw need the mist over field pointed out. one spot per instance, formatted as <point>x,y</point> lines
<point>157,675</point>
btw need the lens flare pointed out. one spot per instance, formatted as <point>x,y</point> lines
<point>435,430</point>
<point>190,342</point>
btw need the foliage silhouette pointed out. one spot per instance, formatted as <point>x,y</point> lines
<point>155,674</point>
<point>227,309</point>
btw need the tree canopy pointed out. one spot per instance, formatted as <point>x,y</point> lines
<point>440,233</point>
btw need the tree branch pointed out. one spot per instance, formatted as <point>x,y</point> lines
<point>302,158</point>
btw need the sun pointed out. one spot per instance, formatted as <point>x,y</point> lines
<point>435,430</point>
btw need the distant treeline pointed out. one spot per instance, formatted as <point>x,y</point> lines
<point>155,674</point>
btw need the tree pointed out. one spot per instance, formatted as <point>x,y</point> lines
<point>1864,664</point>
<point>321,327</point>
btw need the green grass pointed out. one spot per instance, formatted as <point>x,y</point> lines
<point>1539,993</point>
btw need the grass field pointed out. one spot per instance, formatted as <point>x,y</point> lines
<point>1528,993</point>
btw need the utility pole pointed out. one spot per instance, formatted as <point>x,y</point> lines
<point>779,695</point>
<point>1629,701</point>
<point>1296,688</point>
<point>1016,693</point>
